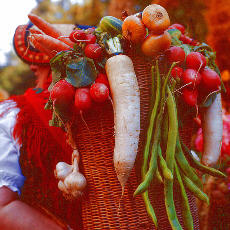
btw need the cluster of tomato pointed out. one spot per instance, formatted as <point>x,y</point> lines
<point>65,96</point>
<point>196,78</point>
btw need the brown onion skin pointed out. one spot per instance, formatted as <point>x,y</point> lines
<point>133,29</point>
<point>155,18</point>
<point>154,44</point>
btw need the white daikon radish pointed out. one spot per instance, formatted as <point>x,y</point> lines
<point>212,125</point>
<point>126,104</point>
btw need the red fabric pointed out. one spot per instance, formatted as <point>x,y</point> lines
<point>24,50</point>
<point>42,148</point>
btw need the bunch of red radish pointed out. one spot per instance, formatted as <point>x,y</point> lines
<point>184,38</point>
<point>195,77</point>
<point>66,97</point>
<point>92,49</point>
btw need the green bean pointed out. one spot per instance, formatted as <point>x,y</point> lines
<point>186,212</point>
<point>194,189</point>
<point>165,128</point>
<point>165,171</point>
<point>149,208</point>
<point>158,176</point>
<point>153,160</point>
<point>151,125</point>
<point>145,195</point>
<point>170,153</point>
<point>170,206</point>
<point>186,168</point>
<point>203,168</point>
<point>173,131</point>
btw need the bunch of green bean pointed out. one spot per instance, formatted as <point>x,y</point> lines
<point>166,158</point>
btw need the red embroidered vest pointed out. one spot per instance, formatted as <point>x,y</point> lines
<point>42,148</point>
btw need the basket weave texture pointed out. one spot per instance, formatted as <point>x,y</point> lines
<point>102,205</point>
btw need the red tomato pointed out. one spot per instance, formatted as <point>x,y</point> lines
<point>82,99</point>
<point>102,78</point>
<point>93,51</point>
<point>99,92</point>
<point>90,39</point>
<point>77,35</point>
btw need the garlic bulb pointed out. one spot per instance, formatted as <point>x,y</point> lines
<point>75,181</point>
<point>62,170</point>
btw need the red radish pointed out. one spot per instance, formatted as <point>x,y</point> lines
<point>177,26</point>
<point>195,60</point>
<point>62,95</point>
<point>102,78</point>
<point>90,39</point>
<point>99,92</point>
<point>175,54</point>
<point>177,72</point>
<point>228,170</point>
<point>210,79</point>
<point>82,99</point>
<point>191,77</point>
<point>185,39</point>
<point>77,35</point>
<point>62,92</point>
<point>93,51</point>
<point>190,96</point>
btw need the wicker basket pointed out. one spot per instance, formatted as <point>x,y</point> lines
<point>102,206</point>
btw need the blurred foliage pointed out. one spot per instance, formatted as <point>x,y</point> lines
<point>218,20</point>
<point>15,79</point>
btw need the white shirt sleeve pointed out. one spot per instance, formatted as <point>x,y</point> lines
<point>10,171</point>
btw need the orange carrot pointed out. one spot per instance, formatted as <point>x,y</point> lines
<point>66,40</point>
<point>35,31</point>
<point>49,29</point>
<point>44,26</point>
<point>53,45</point>
<point>38,46</point>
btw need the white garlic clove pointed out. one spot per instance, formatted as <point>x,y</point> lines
<point>62,170</point>
<point>76,194</point>
<point>75,181</point>
<point>62,187</point>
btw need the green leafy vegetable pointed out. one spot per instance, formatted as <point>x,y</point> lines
<point>81,72</point>
<point>175,35</point>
